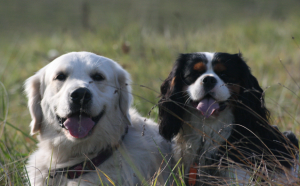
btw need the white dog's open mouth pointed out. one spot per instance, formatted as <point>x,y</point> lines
<point>79,124</point>
<point>209,106</point>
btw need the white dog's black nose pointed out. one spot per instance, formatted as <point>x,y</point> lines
<point>209,83</point>
<point>81,96</point>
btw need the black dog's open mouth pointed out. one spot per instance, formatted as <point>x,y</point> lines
<point>79,124</point>
<point>209,105</point>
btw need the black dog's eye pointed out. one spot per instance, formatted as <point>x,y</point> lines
<point>97,77</point>
<point>223,75</point>
<point>60,77</point>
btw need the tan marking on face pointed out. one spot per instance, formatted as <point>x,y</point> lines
<point>219,67</point>
<point>234,90</point>
<point>200,66</point>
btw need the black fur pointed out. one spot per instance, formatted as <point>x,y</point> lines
<point>171,103</point>
<point>254,134</point>
<point>292,137</point>
<point>172,98</point>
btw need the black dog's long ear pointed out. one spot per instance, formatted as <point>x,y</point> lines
<point>251,110</point>
<point>171,102</point>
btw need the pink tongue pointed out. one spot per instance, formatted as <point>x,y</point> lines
<point>207,106</point>
<point>77,127</point>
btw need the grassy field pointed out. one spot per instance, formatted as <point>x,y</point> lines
<point>267,33</point>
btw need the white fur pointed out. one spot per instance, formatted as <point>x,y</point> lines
<point>137,153</point>
<point>205,134</point>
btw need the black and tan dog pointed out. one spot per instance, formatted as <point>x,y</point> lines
<point>213,108</point>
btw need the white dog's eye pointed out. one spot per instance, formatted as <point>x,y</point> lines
<point>60,77</point>
<point>97,77</point>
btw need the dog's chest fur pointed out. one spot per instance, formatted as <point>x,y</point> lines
<point>199,140</point>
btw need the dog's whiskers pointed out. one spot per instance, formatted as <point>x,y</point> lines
<point>187,101</point>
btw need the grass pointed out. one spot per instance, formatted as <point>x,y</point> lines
<point>267,33</point>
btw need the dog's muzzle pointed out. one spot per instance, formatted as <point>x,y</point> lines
<point>209,106</point>
<point>209,83</point>
<point>80,96</point>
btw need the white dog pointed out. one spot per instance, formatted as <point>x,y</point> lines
<point>88,135</point>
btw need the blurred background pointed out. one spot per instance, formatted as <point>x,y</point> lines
<point>145,37</point>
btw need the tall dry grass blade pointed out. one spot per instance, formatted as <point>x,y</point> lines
<point>289,73</point>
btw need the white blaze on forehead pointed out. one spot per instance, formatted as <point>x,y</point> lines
<point>209,56</point>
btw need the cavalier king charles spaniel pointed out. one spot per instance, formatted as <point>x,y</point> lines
<point>213,110</point>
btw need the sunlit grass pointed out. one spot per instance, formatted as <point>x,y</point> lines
<point>266,44</point>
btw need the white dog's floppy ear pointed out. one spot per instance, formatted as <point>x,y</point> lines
<point>124,90</point>
<point>32,90</point>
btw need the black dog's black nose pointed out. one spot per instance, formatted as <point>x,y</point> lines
<point>209,83</point>
<point>81,96</point>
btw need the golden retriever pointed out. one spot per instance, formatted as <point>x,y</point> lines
<point>88,135</point>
